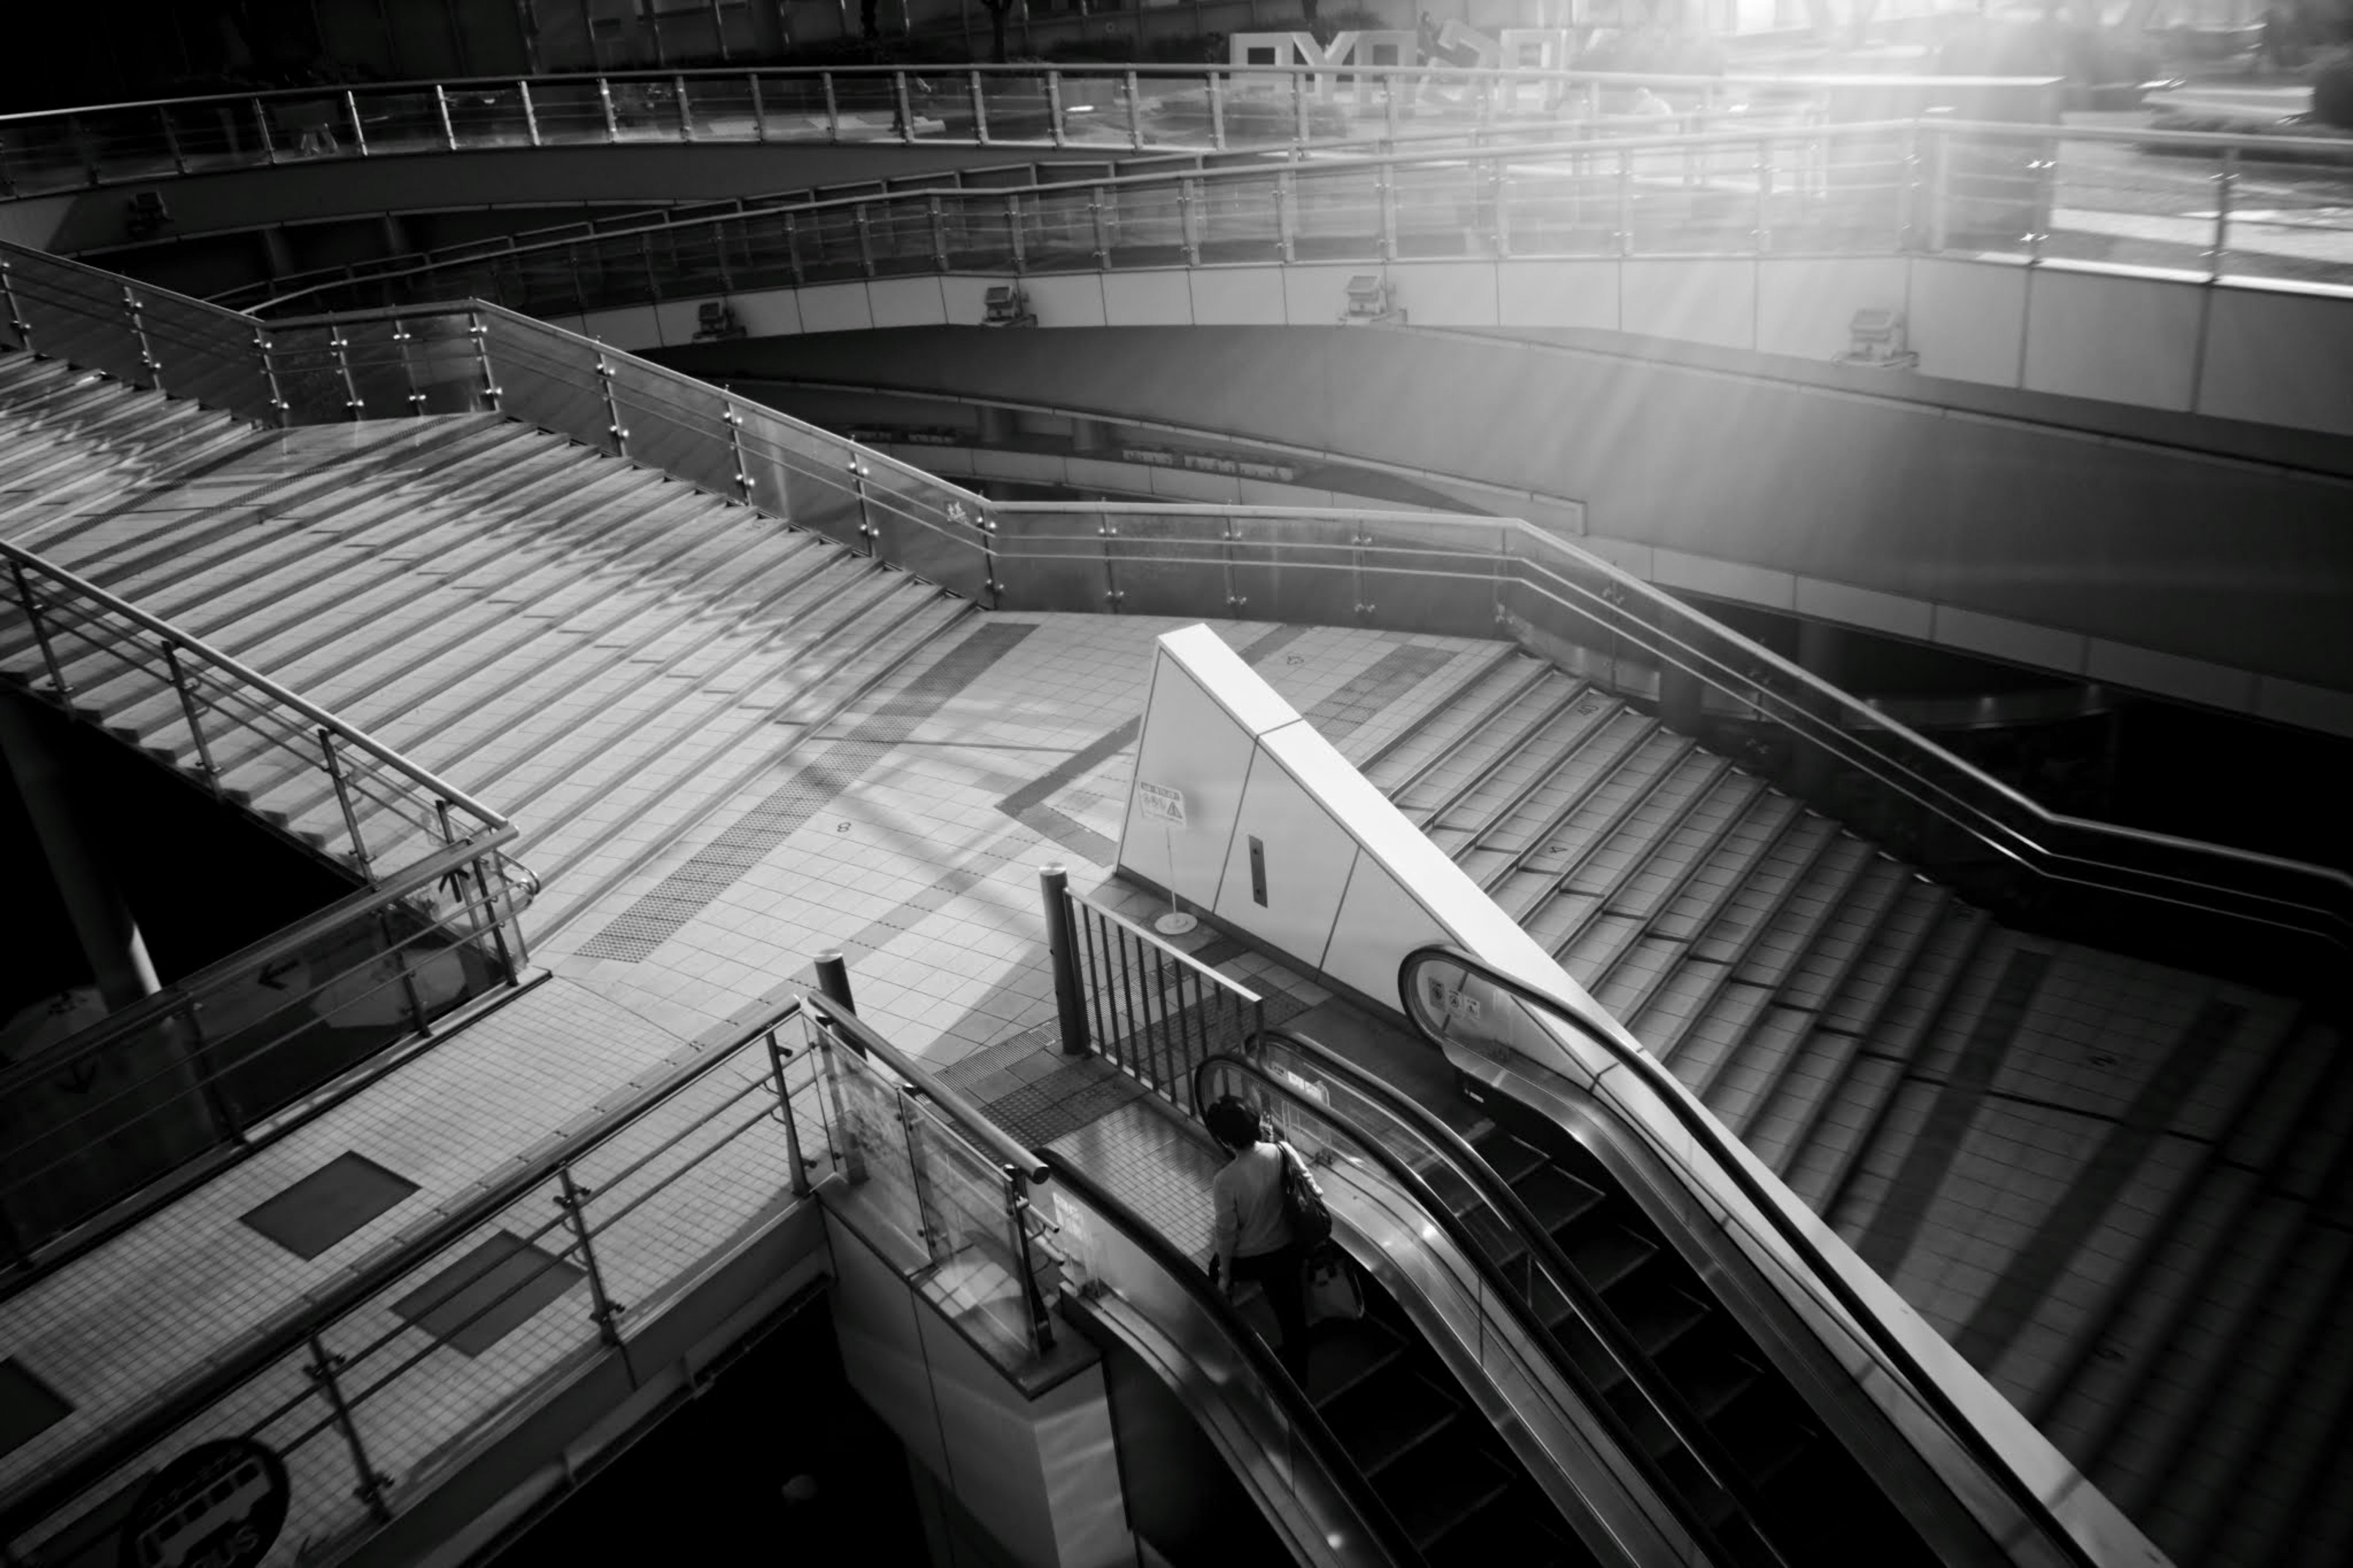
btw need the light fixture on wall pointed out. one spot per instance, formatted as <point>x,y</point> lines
<point>1008,306</point>
<point>1875,338</point>
<point>715,323</point>
<point>1372,302</point>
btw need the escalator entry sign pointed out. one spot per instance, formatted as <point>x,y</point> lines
<point>1161,804</point>
<point>219,1505</point>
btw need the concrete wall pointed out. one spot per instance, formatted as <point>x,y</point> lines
<point>2137,561</point>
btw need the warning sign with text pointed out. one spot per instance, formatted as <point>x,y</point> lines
<point>1158,803</point>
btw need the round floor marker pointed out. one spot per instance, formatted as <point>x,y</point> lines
<point>1174,924</point>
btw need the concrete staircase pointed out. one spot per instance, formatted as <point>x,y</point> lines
<point>2164,1287</point>
<point>77,440</point>
<point>595,651</point>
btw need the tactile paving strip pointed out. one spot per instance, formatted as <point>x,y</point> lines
<point>633,934</point>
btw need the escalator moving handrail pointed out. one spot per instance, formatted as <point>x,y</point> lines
<point>1705,1131</point>
<point>1522,1310</point>
<point>1637,1365</point>
<point>1304,1418</point>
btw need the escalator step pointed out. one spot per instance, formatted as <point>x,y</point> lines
<point>1516,1528</point>
<point>1708,1373</point>
<point>1444,1482</point>
<point>1453,1190</point>
<point>1501,1244</point>
<point>1506,1155</point>
<point>1766,1436</point>
<point>1604,1251</point>
<point>1344,1353</point>
<point>1554,1197</point>
<point>1387,1416</point>
<point>1655,1311</point>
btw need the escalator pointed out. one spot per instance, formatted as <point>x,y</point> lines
<point>1811,1500</point>
<point>1461,1496</point>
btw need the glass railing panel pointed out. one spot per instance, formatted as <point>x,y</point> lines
<point>1440,210</point>
<point>215,133</point>
<point>1095,109</point>
<point>1239,218</point>
<point>549,379</point>
<point>675,425</point>
<point>1447,568</point>
<point>828,243</point>
<point>684,260</point>
<point>920,527</point>
<point>1337,217</point>
<point>309,373</point>
<point>977,1277</point>
<point>75,313</point>
<point>38,156</point>
<point>445,363</point>
<point>866,106</point>
<point>488,114</point>
<point>870,1120</point>
<point>646,109</point>
<point>1567,206</point>
<point>373,354</point>
<point>399,121</point>
<point>899,236</point>
<point>980,229</point>
<point>190,1070</point>
<point>1018,105</point>
<point>569,111</point>
<point>1287,565</point>
<point>1058,229</point>
<point>792,105</point>
<point>205,355</point>
<point>802,475</point>
<point>126,143</point>
<point>2282,222</point>
<point>719,109</point>
<point>1144,223</point>
<point>1052,560</point>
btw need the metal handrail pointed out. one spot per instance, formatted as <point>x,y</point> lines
<point>1639,1367</point>
<point>2019,830</point>
<point>1514,1301</point>
<point>283,944</point>
<point>969,1120</point>
<point>1338,165</point>
<point>89,1463</point>
<point>249,675</point>
<point>1371,1508</point>
<point>1721,1148</point>
<point>959,69</point>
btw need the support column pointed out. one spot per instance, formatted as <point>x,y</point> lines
<point>101,920</point>
<point>1089,435</point>
<point>995,424</point>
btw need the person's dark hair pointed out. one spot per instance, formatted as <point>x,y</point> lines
<point>1232,1123</point>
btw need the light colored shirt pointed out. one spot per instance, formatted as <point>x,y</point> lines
<point>1247,1193</point>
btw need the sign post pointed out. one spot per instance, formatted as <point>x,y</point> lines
<point>1161,804</point>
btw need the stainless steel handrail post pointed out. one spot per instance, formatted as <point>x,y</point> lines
<point>905,106</point>
<point>1625,235</point>
<point>359,131</point>
<point>343,798</point>
<point>1189,219</point>
<point>1286,219</point>
<point>937,212</point>
<point>1016,1215</point>
<point>1216,112</point>
<point>980,109</point>
<point>1764,194</point>
<point>612,405</point>
<point>402,337</point>
<point>820,1032</point>
<point>745,483</point>
<point>1134,93</point>
<point>864,226</point>
<point>1056,127</point>
<point>25,596</point>
<point>604,1310</point>
<point>171,138</point>
<point>1097,201</point>
<point>185,687</point>
<point>933,1231</point>
<point>759,106</point>
<point>530,112</point>
<point>322,1370</point>
<point>342,347</point>
<point>441,105</point>
<point>480,334</point>
<point>507,920</point>
<point>832,110</point>
<point>261,123</point>
<point>866,529</point>
<point>612,120</point>
<point>2226,190</point>
<point>685,110</point>
<point>136,318</point>
<point>262,350</point>
<point>777,1057</point>
<point>17,321</point>
<point>1298,112</point>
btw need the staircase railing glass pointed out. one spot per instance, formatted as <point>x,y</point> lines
<point>567,1256</point>
<point>2218,907</point>
<point>1131,107</point>
<point>1546,1053</point>
<point>1312,1490</point>
<point>216,718</point>
<point>108,1124</point>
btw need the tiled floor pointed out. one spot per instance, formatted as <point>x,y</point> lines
<point>909,834</point>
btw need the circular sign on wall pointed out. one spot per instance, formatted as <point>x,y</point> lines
<point>219,1505</point>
